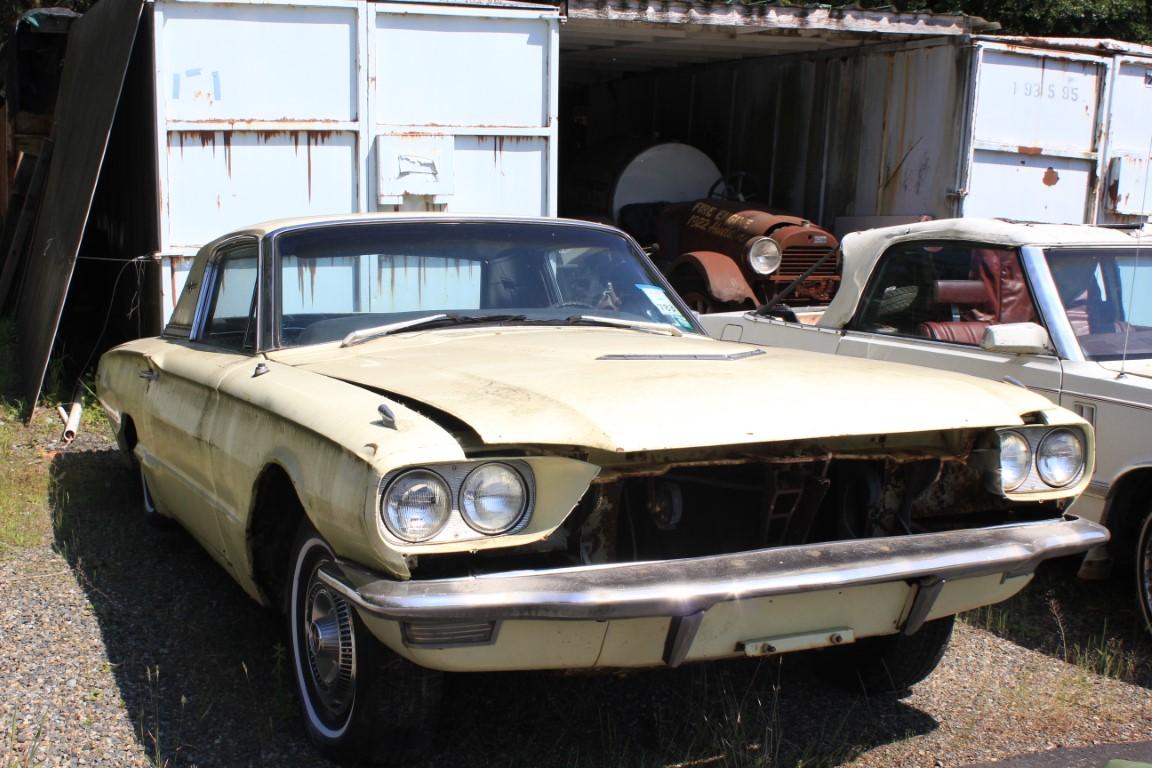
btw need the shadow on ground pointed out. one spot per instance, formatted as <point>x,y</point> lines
<point>205,678</point>
<point>1093,624</point>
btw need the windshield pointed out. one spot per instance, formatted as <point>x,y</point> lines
<point>1107,295</point>
<point>338,279</point>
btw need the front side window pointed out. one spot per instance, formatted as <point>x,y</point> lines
<point>231,317</point>
<point>1107,295</point>
<point>945,291</point>
<point>334,280</point>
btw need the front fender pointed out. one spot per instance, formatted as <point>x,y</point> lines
<point>722,277</point>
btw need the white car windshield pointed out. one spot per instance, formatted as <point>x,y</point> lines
<point>1107,295</point>
<point>348,278</point>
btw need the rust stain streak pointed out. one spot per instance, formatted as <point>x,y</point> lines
<point>308,139</point>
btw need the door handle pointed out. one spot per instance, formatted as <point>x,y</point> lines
<point>149,374</point>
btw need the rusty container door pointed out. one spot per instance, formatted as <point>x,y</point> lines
<point>1128,189</point>
<point>1034,151</point>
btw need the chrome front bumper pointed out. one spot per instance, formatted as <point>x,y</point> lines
<point>687,587</point>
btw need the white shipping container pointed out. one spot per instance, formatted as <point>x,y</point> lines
<point>274,109</point>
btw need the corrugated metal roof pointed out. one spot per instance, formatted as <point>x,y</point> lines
<point>605,38</point>
<point>1096,45</point>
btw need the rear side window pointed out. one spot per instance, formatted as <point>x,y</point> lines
<point>945,291</point>
<point>231,318</point>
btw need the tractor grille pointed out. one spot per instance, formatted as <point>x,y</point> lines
<point>799,258</point>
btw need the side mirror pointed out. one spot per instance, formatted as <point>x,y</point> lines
<point>1017,339</point>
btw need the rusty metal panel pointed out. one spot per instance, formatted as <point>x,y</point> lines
<point>445,70</point>
<point>94,70</point>
<point>1130,185</point>
<point>464,108</point>
<point>1128,191</point>
<point>502,174</point>
<point>219,180</point>
<point>827,135</point>
<point>1035,127</point>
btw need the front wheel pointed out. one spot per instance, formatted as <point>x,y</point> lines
<point>358,698</point>
<point>892,663</point>
<point>1144,571</point>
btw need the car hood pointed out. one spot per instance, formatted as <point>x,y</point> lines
<point>1141,367</point>
<point>625,390</point>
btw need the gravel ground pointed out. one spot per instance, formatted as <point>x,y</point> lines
<point>121,645</point>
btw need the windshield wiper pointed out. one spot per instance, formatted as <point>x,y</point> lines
<point>616,322</point>
<point>428,321</point>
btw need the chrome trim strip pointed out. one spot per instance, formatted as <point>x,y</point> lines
<point>728,358</point>
<point>1071,393</point>
<point>1048,301</point>
<point>685,587</point>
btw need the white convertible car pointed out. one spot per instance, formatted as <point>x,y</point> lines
<point>1063,310</point>
<point>443,444</point>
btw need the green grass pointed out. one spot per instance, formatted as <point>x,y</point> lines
<point>24,501</point>
<point>1092,625</point>
<point>27,452</point>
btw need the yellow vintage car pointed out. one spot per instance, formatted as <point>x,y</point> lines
<point>474,444</point>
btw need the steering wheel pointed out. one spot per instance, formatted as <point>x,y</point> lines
<point>739,185</point>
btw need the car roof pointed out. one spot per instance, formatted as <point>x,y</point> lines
<point>272,226</point>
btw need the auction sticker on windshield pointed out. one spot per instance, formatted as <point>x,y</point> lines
<point>664,306</point>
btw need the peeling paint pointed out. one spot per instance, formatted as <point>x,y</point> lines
<point>1051,177</point>
<point>1033,151</point>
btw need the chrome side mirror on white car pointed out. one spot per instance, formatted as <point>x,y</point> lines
<point>1017,339</point>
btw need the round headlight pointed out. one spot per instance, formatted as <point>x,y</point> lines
<point>416,505</point>
<point>1015,460</point>
<point>1060,457</point>
<point>763,255</point>
<point>493,498</point>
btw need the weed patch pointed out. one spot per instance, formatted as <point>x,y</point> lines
<point>1093,625</point>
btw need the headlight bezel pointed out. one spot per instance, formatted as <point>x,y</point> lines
<point>1034,484</point>
<point>457,528</point>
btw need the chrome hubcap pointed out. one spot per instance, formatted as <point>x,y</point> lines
<point>331,648</point>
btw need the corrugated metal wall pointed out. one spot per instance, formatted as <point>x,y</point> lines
<point>868,132</point>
